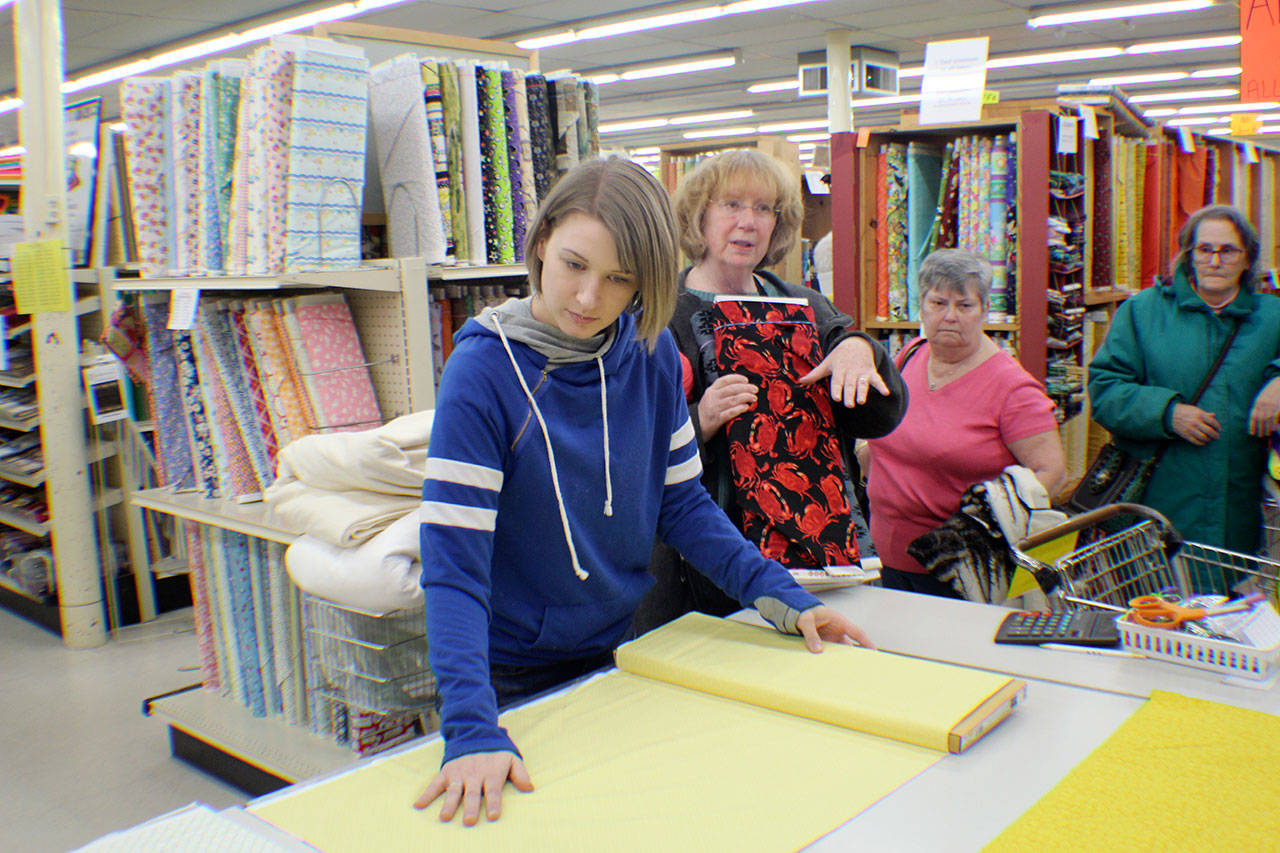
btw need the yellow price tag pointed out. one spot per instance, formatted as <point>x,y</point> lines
<point>1244,124</point>
<point>41,283</point>
<point>990,96</point>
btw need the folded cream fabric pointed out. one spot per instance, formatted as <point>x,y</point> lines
<point>343,518</point>
<point>391,459</point>
<point>380,575</point>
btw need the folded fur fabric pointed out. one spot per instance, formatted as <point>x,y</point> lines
<point>970,550</point>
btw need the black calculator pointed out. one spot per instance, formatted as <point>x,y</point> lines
<point>1082,628</point>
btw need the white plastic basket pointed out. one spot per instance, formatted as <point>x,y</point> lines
<point>1215,655</point>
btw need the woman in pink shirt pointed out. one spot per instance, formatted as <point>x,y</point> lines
<point>973,410</point>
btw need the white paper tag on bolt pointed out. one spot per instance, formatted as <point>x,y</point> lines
<point>1090,119</point>
<point>183,302</point>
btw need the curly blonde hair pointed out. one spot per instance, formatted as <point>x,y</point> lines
<point>729,170</point>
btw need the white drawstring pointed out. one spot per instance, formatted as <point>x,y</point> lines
<point>604,414</point>
<point>551,456</point>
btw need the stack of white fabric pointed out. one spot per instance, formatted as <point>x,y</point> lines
<point>355,497</point>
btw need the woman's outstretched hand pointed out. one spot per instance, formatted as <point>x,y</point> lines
<point>852,368</point>
<point>469,779</point>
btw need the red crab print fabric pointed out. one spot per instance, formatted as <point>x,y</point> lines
<point>787,469</point>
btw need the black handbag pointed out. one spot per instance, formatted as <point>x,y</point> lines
<point>1117,476</point>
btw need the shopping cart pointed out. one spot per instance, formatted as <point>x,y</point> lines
<point>1148,557</point>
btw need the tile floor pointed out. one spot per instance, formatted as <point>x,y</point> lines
<point>77,758</point>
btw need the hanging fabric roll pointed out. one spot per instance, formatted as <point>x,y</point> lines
<point>262,412</point>
<point>220,338</point>
<point>541,133</point>
<point>924,176</point>
<point>896,222</point>
<point>434,101</point>
<point>249,124</point>
<point>584,136</point>
<point>515,174</point>
<point>567,119</point>
<point>200,609</point>
<point>528,182</point>
<point>996,224</point>
<point>472,168</point>
<point>882,235</point>
<point>202,458</point>
<point>184,117</point>
<point>268,196</point>
<point>173,443</point>
<point>949,203</point>
<point>592,93</point>
<point>453,128</point>
<point>493,165</point>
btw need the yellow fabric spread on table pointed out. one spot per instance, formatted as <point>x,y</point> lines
<point>908,699</point>
<point>626,762</point>
<point>1180,774</point>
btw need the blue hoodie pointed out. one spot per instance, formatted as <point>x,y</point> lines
<point>530,555</point>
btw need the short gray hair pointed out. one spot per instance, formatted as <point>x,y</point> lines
<point>955,270</point>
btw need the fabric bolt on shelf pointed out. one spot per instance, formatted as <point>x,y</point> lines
<point>611,775</point>
<point>1178,762</point>
<point>215,319</point>
<point>406,159</point>
<point>287,659</point>
<point>331,363</point>
<point>203,462</point>
<point>249,365</point>
<point>248,141</point>
<point>236,475</point>
<point>209,252</point>
<point>528,192</point>
<point>391,459</point>
<point>896,225</point>
<point>221,611</point>
<point>591,92</point>
<point>202,609</point>
<point>1011,226</point>
<point>924,179</point>
<point>144,104</point>
<point>226,114</point>
<point>325,183</point>
<point>541,133</point>
<point>997,212</point>
<point>379,575</point>
<point>262,618</point>
<point>173,442</point>
<point>949,201</point>
<point>472,164</point>
<point>285,407</point>
<point>268,198</point>
<point>983,214</point>
<point>935,229</point>
<point>184,117</point>
<point>452,106</point>
<point>235,549</point>
<point>882,235</point>
<point>515,165</point>
<point>497,176</point>
<point>584,141</point>
<point>433,101</point>
<point>568,121</point>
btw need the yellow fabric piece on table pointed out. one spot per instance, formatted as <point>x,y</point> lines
<point>909,699</point>
<point>1180,774</point>
<point>623,763</point>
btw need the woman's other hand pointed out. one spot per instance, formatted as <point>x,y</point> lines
<point>468,779</point>
<point>725,399</point>
<point>1266,410</point>
<point>852,368</point>
<point>1195,424</point>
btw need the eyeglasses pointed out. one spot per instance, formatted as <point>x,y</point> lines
<point>1225,254</point>
<point>760,210</point>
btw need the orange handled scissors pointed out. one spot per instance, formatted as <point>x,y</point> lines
<point>1154,611</point>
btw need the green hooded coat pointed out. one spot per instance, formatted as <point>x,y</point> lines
<point>1161,344</point>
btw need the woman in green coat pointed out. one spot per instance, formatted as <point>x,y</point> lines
<point>1162,343</point>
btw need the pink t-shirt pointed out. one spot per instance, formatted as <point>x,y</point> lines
<point>950,439</point>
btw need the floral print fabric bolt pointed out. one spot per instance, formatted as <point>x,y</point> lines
<point>787,468</point>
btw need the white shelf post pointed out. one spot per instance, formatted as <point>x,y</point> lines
<point>55,336</point>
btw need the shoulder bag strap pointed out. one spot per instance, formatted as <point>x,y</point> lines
<point>905,355</point>
<point>1204,385</point>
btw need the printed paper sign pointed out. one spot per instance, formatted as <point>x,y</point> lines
<point>1068,134</point>
<point>955,76</point>
<point>1089,120</point>
<point>41,283</point>
<point>182,308</point>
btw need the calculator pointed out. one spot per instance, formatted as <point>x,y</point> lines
<point>1082,628</point>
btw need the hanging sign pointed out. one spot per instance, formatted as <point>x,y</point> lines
<point>955,76</point>
<point>1244,124</point>
<point>1249,152</point>
<point>1259,50</point>
<point>1089,121</point>
<point>1186,141</point>
<point>182,308</point>
<point>1068,135</point>
<point>41,282</point>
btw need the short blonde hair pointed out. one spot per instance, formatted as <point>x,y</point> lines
<point>635,209</point>
<point>746,166</point>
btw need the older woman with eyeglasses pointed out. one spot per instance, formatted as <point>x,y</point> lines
<point>737,213</point>
<point>1161,345</point>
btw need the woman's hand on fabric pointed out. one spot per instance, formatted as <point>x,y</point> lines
<point>468,779</point>
<point>852,368</point>
<point>822,623</point>
<point>725,399</point>
<point>1195,424</point>
<point>1265,415</point>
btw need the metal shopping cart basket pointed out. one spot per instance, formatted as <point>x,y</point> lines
<point>1146,558</point>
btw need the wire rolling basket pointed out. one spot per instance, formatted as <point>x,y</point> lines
<point>1148,557</point>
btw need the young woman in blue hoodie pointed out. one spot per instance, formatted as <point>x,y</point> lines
<point>533,562</point>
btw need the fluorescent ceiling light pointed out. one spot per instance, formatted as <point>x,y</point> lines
<point>1162,111</point>
<point>785,126</point>
<point>1136,79</point>
<point>1184,44</point>
<point>722,131</point>
<point>637,124</point>
<point>16,150</point>
<point>888,100</point>
<point>775,86</point>
<point>1218,131</point>
<point>809,138</point>
<point>1188,95</point>
<point>1181,122</point>
<point>1269,128</point>
<point>118,126</point>
<point>209,47</point>
<point>1109,13</point>
<point>646,151</point>
<point>1079,55</point>
<point>1226,109</point>
<point>645,72</point>
<point>808,146</point>
<point>1206,73</point>
<point>706,118</point>
<point>653,22</point>
<point>914,71</point>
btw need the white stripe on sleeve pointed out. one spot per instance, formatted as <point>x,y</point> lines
<point>464,474</point>
<point>454,515</point>
<point>689,469</point>
<point>682,436</point>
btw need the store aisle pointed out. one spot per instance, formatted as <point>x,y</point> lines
<point>77,758</point>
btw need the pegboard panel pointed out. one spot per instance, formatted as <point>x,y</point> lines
<point>395,334</point>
